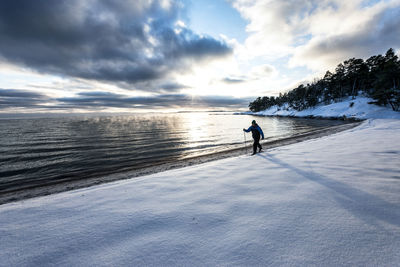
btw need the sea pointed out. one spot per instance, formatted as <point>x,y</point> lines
<point>38,151</point>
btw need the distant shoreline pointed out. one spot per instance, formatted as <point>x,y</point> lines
<point>58,187</point>
<point>334,118</point>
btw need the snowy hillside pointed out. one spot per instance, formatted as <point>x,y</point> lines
<point>351,108</point>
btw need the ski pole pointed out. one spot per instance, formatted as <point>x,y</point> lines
<point>245,144</point>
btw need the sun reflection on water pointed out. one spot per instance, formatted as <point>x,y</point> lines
<point>197,126</point>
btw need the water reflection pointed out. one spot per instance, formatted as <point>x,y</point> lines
<point>35,151</point>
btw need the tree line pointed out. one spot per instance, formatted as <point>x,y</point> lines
<point>377,77</point>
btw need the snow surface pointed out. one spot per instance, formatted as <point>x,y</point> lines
<point>332,201</point>
<point>360,109</point>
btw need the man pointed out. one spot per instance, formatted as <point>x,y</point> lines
<point>256,132</point>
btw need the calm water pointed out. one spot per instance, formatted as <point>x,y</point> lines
<point>38,151</point>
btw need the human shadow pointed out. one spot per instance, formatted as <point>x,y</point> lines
<point>368,207</point>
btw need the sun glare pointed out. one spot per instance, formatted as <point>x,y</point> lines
<point>197,125</point>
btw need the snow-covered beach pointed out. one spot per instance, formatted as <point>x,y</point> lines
<point>36,189</point>
<point>357,108</point>
<point>332,201</point>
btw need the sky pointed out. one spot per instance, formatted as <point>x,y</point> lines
<point>72,56</point>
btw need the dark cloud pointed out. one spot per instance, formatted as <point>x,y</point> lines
<point>173,87</point>
<point>233,80</point>
<point>11,98</point>
<point>115,41</point>
<point>88,100</point>
<point>12,93</point>
<point>14,99</point>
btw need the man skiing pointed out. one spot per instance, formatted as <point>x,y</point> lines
<point>256,132</point>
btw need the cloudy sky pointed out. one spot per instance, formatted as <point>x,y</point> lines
<point>141,55</point>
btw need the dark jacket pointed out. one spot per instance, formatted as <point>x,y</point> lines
<point>255,131</point>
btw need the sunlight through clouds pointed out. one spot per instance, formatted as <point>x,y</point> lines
<point>235,48</point>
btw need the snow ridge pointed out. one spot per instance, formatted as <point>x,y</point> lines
<point>357,108</point>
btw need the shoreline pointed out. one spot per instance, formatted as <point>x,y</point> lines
<point>58,187</point>
<point>317,117</point>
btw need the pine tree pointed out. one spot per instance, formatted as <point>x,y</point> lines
<point>385,85</point>
<point>378,77</point>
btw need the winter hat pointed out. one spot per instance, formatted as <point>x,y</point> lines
<point>253,122</point>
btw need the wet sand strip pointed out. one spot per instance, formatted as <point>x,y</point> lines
<point>61,186</point>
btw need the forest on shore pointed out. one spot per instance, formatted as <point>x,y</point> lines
<point>377,77</point>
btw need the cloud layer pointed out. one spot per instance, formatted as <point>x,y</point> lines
<point>319,34</point>
<point>103,100</point>
<point>122,48</point>
<point>118,41</point>
<point>88,100</point>
<point>10,98</point>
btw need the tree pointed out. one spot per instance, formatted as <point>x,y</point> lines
<point>378,77</point>
<point>386,82</point>
<point>338,79</point>
<point>356,72</point>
